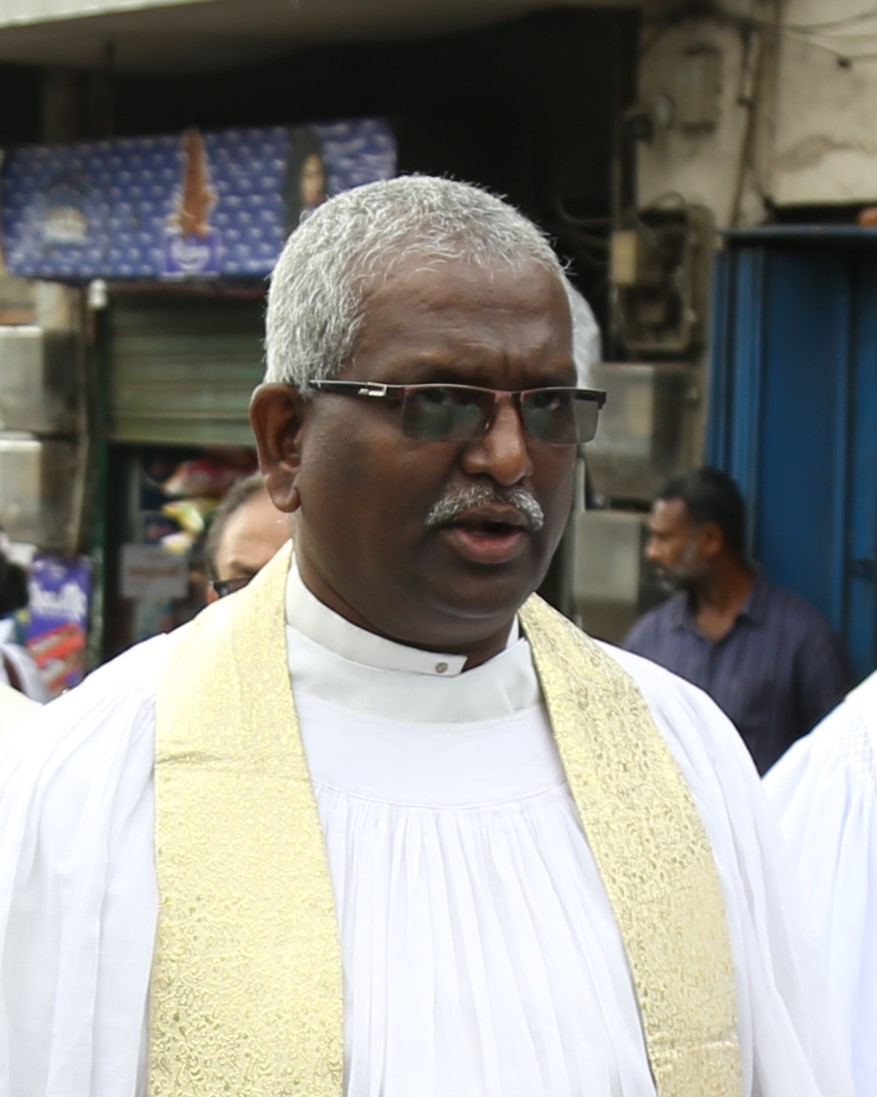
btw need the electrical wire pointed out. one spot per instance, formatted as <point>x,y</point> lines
<point>844,57</point>
<point>584,255</point>
<point>701,10</point>
<point>830,24</point>
<point>575,221</point>
<point>590,248</point>
<point>808,34</point>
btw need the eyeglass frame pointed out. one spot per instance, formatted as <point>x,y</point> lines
<point>224,587</point>
<point>379,390</point>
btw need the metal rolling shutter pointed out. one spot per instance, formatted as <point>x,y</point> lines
<point>182,369</point>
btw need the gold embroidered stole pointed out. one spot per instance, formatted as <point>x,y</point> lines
<point>246,996</point>
<point>652,851</point>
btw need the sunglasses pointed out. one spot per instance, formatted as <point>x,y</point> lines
<point>224,587</point>
<point>460,413</point>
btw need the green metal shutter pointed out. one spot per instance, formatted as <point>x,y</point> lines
<point>182,369</point>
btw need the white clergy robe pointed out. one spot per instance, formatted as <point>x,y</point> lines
<point>14,707</point>
<point>824,789</point>
<point>480,954</point>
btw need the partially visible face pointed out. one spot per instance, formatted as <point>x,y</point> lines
<point>379,537</point>
<point>673,546</point>
<point>312,181</point>
<point>252,535</point>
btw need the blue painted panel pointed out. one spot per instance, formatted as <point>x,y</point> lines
<point>861,503</point>
<point>801,426</point>
<point>849,236</point>
<point>793,416</point>
<point>748,330</point>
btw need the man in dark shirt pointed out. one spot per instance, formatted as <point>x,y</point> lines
<point>763,654</point>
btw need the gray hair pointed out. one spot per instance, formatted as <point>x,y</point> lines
<point>318,288</point>
<point>586,341</point>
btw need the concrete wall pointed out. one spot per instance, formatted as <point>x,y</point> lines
<point>23,12</point>
<point>794,117</point>
<point>826,142</point>
<point>704,165</point>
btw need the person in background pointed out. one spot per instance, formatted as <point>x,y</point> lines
<point>247,529</point>
<point>763,654</point>
<point>384,822</point>
<point>824,789</point>
<point>17,668</point>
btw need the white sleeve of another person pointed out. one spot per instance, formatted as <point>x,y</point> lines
<point>824,790</point>
<point>78,898</point>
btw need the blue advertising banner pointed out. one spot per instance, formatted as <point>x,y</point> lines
<point>59,590</point>
<point>56,210</point>
<point>191,205</point>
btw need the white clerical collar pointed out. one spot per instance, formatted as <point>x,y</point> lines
<point>353,669</point>
<point>309,616</point>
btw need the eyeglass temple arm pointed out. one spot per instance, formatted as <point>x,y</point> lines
<point>358,388</point>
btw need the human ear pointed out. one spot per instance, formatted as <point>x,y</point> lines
<point>277,416</point>
<point>711,539</point>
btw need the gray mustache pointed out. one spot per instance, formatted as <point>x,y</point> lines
<point>460,500</point>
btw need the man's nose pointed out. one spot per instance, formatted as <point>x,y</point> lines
<point>501,452</point>
<point>652,551</point>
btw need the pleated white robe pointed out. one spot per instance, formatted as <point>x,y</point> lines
<point>481,957</point>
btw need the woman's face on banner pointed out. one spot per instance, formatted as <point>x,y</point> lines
<point>312,181</point>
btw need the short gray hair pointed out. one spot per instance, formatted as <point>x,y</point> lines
<point>586,341</point>
<point>318,288</point>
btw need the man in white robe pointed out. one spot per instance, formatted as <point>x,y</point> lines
<point>824,789</point>
<point>515,862</point>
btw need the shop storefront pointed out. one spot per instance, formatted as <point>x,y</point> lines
<point>191,220</point>
<point>171,239</point>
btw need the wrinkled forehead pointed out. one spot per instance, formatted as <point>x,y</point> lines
<point>450,289</point>
<point>500,329</point>
<point>432,284</point>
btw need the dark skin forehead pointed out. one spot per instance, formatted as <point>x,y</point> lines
<point>669,518</point>
<point>460,324</point>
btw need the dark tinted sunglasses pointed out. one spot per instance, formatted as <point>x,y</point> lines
<point>460,413</point>
<point>229,586</point>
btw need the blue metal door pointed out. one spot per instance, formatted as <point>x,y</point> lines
<point>793,413</point>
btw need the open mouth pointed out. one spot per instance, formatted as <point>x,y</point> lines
<point>486,540</point>
<point>488,526</point>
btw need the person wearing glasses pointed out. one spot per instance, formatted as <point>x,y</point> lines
<point>383,822</point>
<point>247,529</point>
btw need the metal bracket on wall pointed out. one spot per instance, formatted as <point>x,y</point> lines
<point>660,262</point>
